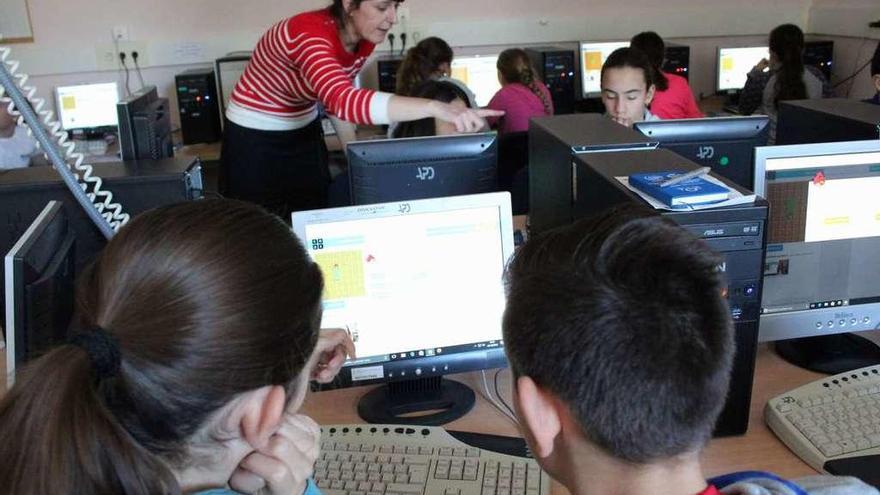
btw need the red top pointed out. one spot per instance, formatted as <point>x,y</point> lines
<point>677,102</point>
<point>519,104</point>
<point>299,61</point>
<point>710,490</point>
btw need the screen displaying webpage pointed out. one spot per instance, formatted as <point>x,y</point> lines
<point>593,57</point>
<point>734,65</point>
<point>479,74</point>
<point>87,105</point>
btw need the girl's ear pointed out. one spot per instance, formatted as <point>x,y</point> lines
<point>262,413</point>
<point>650,96</point>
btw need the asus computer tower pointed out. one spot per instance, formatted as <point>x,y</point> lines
<point>556,68</point>
<point>198,106</point>
<point>678,59</point>
<point>386,69</point>
<point>827,120</point>
<point>736,232</point>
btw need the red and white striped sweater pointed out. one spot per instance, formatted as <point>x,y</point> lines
<point>296,63</point>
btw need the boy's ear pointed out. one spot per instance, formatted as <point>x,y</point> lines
<point>261,415</point>
<point>539,416</point>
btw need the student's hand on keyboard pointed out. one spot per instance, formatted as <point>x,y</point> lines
<point>285,464</point>
<point>333,346</point>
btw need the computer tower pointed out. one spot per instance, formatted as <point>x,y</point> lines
<point>198,106</point>
<point>556,69</point>
<point>152,131</point>
<point>554,142</point>
<point>387,71</point>
<point>827,120</point>
<point>820,54</point>
<point>736,232</point>
<point>678,59</point>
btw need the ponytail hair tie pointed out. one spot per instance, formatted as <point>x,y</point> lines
<point>102,349</point>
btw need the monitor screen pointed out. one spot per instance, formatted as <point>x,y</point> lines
<point>480,74</point>
<point>426,167</point>
<point>822,269</point>
<point>87,106</point>
<point>734,65</point>
<point>593,55</point>
<point>418,284</point>
<point>727,144</point>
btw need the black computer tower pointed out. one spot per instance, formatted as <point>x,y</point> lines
<point>386,69</point>
<point>198,106</point>
<point>820,54</point>
<point>737,232</point>
<point>556,68</point>
<point>678,58</point>
<point>827,120</point>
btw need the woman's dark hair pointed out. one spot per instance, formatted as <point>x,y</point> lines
<point>787,43</point>
<point>651,44</point>
<point>515,67</point>
<point>206,300</point>
<point>433,90</point>
<point>337,9</point>
<point>422,63</point>
<point>630,57</point>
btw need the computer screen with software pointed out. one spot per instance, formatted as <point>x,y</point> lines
<point>734,65</point>
<point>593,55</point>
<point>479,73</point>
<point>419,286</point>
<point>87,106</point>
<point>822,269</point>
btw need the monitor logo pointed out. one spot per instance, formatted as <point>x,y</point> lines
<point>722,267</point>
<point>705,152</point>
<point>404,208</point>
<point>425,173</point>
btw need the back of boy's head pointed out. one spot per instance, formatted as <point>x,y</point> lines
<point>630,57</point>
<point>622,317</point>
<point>875,62</point>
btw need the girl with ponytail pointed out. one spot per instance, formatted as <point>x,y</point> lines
<point>429,59</point>
<point>522,96</point>
<point>189,356</point>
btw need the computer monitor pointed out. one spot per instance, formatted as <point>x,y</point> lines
<point>145,126</point>
<point>419,286</point>
<point>39,287</point>
<point>593,55</point>
<point>87,108</point>
<point>480,74</point>
<point>734,64</point>
<point>822,269</point>
<point>727,144</point>
<point>425,167</point>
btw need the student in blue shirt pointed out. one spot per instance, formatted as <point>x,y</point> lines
<point>195,336</point>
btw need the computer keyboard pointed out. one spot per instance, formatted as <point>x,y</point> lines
<point>90,146</point>
<point>415,460</point>
<point>832,421</point>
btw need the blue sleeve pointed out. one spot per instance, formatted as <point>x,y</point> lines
<point>311,489</point>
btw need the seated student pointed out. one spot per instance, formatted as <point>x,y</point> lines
<point>673,98</point>
<point>431,58</point>
<point>875,75</point>
<point>620,343</point>
<point>17,147</point>
<point>627,86</point>
<point>522,96</point>
<point>189,360</point>
<point>783,77</point>
<point>433,90</point>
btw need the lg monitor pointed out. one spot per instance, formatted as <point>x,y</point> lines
<point>734,64</point>
<point>425,167</point>
<point>419,286</point>
<point>480,74</point>
<point>39,273</point>
<point>727,144</point>
<point>87,108</point>
<point>822,269</point>
<point>593,55</point>
<point>145,126</point>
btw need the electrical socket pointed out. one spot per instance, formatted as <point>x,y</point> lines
<point>120,33</point>
<point>107,59</point>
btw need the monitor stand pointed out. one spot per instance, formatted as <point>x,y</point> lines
<point>831,354</point>
<point>441,400</point>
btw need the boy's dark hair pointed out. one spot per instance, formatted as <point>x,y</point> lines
<point>651,44</point>
<point>630,57</point>
<point>622,316</point>
<point>433,90</point>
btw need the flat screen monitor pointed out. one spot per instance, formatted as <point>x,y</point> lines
<point>480,74</point>
<point>727,144</point>
<point>39,273</point>
<point>822,270</point>
<point>87,107</point>
<point>734,65</point>
<point>425,167</point>
<point>593,55</point>
<point>419,286</point>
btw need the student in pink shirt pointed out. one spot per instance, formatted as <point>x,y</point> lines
<point>673,98</point>
<point>522,96</point>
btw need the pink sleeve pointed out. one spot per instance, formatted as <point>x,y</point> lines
<point>496,103</point>
<point>688,102</point>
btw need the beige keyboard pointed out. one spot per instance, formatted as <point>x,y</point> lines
<point>363,459</point>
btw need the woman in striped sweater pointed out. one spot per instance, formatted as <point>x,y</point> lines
<point>273,147</point>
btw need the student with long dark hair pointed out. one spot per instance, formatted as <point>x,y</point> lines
<point>195,335</point>
<point>522,95</point>
<point>429,59</point>
<point>673,98</point>
<point>627,86</point>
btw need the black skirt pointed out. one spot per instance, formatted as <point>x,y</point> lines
<point>283,171</point>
